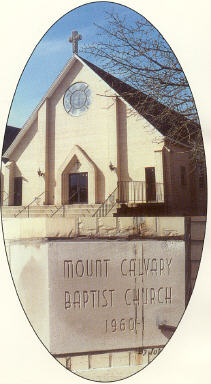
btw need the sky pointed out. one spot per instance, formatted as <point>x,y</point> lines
<point>52,53</point>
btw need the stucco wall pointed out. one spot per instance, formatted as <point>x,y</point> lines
<point>29,157</point>
<point>94,131</point>
<point>141,148</point>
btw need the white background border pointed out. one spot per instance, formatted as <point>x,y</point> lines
<point>186,27</point>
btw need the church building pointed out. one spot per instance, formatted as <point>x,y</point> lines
<point>90,142</point>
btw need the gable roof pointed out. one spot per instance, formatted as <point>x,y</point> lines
<point>9,136</point>
<point>160,116</point>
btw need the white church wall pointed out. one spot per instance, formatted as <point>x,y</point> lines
<point>94,131</point>
<point>138,139</point>
<point>29,158</point>
<point>4,185</point>
<point>7,184</point>
<point>108,133</point>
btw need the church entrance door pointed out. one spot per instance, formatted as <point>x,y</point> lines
<point>78,188</point>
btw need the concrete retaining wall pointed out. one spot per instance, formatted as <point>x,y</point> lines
<point>105,227</point>
<point>109,366</point>
<point>197,233</point>
<point>115,365</point>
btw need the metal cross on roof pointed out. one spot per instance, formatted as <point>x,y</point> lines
<point>74,40</point>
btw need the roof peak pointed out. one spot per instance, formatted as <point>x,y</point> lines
<point>160,116</point>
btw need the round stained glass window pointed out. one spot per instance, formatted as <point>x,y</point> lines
<point>77,99</point>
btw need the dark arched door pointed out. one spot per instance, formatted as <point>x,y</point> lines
<point>78,188</point>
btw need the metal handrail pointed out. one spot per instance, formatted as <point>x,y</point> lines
<point>104,207</point>
<point>135,192</point>
<point>28,205</point>
<point>129,191</point>
<point>58,208</point>
<point>71,197</point>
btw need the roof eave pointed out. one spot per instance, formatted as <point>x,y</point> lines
<point>33,116</point>
<point>119,96</point>
<point>49,93</point>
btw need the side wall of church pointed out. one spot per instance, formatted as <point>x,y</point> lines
<point>179,180</point>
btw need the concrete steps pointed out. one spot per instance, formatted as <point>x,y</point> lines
<point>48,210</point>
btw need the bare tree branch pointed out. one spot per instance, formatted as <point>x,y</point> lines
<point>138,55</point>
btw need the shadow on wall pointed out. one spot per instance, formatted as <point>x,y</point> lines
<point>122,144</point>
<point>32,277</point>
<point>100,186</point>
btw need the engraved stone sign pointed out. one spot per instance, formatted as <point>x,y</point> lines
<point>107,295</point>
